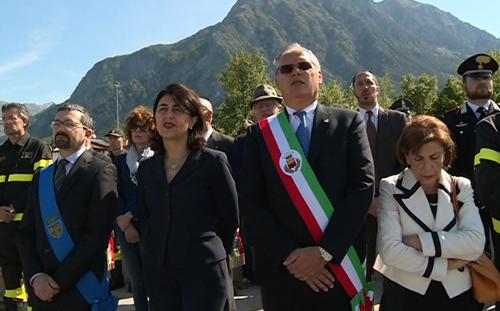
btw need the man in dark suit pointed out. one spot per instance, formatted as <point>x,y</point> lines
<point>383,128</point>
<point>214,139</point>
<point>224,143</point>
<point>477,75</point>
<point>85,192</point>
<point>290,265</point>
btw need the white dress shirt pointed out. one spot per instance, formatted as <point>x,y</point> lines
<point>295,120</point>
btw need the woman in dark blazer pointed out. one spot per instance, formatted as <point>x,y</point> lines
<point>189,210</point>
<point>424,247</point>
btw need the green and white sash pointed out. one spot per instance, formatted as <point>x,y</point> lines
<point>313,205</point>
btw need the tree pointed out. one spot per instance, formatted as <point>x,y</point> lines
<point>496,78</point>
<point>239,78</point>
<point>451,96</point>
<point>387,91</point>
<point>334,95</point>
<point>423,92</point>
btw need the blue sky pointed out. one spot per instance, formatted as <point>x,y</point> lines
<point>48,46</point>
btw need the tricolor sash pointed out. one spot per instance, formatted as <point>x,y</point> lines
<point>95,293</point>
<point>313,205</point>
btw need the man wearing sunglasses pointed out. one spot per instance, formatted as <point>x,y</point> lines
<point>69,215</point>
<point>308,152</point>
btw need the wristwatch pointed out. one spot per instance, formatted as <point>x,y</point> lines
<point>326,255</point>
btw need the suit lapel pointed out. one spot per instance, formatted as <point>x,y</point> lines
<point>73,176</point>
<point>413,200</point>
<point>382,125</point>
<point>321,123</point>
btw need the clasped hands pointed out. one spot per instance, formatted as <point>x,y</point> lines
<point>45,287</point>
<point>307,264</point>
<point>124,222</point>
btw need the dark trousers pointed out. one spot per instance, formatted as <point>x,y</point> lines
<point>133,262</point>
<point>202,287</point>
<point>398,298</point>
<point>371,245</point>
<point>295,295</point>
<point>9,256</point>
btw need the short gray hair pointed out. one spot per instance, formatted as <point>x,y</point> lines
<point>296,48</point>
<point>21,109</point>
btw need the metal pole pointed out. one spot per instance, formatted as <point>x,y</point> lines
<point>117,85</point>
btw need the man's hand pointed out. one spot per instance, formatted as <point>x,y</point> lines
<point>131,234</point>
<point>123,221</point>
<point>374,208</point>
<point>45,287</point>
<point>324,281</point>
<point>305,263</point>
<point>6,213</point>
<point>413,241</point>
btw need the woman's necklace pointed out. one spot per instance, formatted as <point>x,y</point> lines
<point>173,167</point>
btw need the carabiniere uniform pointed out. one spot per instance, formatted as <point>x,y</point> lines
<point>462,121</point>
<point>18,163</point>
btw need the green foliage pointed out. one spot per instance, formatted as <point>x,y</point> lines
<point>496,78</point>
<point>241,75</point>
<point>388,93</point>
<point>451,96</point>
<point>422,91</point>
<point>334,95</point>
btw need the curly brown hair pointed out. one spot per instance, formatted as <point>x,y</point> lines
<point>140,114</point>
<point>421,130</point>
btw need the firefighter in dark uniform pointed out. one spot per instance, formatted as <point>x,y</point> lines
<point>20,156</point>
<point>477,75</point>
<point>487,173</point>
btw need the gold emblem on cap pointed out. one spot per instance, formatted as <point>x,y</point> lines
<point>482,60</point>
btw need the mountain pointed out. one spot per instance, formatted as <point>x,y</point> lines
<point>393,36</point>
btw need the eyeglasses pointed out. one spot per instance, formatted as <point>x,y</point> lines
<point>140,127</point>
<point>287,69</point>
<point>68,124</point>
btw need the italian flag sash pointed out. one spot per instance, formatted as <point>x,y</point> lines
<point>312,204</point>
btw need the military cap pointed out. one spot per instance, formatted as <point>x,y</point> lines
<point>479,65</point>
<point>117,132</point>
<point>264,91</point>
<point>403,104</point>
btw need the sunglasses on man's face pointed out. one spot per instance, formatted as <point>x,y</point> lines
<point>286,69</point>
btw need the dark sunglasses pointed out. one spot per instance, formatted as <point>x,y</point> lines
<point>140,127</point>
<point>286,69</point>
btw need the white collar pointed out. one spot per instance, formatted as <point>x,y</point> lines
<point>75,155</point>
<point>208,133</point>
<point>309,110</point>
<point>374,110</point>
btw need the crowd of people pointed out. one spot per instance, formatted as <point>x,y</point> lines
<point>327,200</point>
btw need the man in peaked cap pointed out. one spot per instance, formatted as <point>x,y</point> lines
<point>477,73</point>
<point>117,142</point>
<point>404,105</point>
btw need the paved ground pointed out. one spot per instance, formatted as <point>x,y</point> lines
<point>246,300</point>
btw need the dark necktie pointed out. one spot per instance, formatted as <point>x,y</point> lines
<point>371,131</point>
<point>302,132</point>
<point>482,112</point>
<point>60,173</point>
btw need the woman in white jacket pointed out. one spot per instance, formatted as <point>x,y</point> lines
<point>423,248</point>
